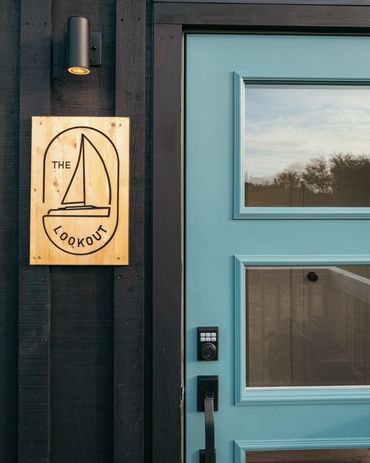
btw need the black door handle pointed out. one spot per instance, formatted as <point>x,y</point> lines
<point>208,391</point>
<point>209,454</point>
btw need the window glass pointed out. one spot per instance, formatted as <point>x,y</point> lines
<point>308,326</point>
<point>307,145</point>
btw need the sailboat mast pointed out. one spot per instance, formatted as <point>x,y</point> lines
<point>76,190</point>
<point>83,168</point>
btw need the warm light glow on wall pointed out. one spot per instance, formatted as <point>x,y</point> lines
<point>79,71</point>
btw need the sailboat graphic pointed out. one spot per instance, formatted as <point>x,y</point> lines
<point>76,198</point>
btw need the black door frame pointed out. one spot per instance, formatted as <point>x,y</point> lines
<point>171,21</point>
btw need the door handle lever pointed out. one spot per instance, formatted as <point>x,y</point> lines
<point>209,454</point>
<point>208,391</point>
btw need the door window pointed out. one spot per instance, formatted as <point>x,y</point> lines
<point>306,145</point>
<point>308,326</point>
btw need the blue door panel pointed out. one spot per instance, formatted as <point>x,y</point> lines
<point>214,237</point>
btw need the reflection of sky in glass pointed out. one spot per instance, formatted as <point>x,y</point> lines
<point>290,124</point>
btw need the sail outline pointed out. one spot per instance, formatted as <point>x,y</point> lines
<point>81,155</point>
<point>81,158</point>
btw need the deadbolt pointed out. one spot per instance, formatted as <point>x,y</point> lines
<point>208,351</point>
<point>207,343</point>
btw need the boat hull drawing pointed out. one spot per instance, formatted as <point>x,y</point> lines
<point>89,211</point>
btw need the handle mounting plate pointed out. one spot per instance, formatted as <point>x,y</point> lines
<point>206,385</point>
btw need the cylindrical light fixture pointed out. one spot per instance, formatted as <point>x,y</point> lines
<point>78,45</point>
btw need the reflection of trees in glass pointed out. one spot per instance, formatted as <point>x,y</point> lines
<point>317,176</point>
<point>351,178</point>
<point>341,180</point>
<point>289,178</point>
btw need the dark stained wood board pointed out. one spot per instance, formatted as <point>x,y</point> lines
<point>82,298</point>
<point>9,124</point>
<point>167,245</point>
<point>130,396</point>
<point>34,289</point>
<point>278,17</point>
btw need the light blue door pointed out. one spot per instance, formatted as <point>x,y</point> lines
<point>278,241</point>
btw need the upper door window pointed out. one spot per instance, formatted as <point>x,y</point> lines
<point>307,145</point>
<point>303,144</point>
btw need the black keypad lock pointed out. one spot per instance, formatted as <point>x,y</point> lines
<point>208,343</point>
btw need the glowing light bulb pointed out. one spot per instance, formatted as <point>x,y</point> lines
<point>79,71</point>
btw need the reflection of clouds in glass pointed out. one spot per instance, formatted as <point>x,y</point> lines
<point>289,124</point>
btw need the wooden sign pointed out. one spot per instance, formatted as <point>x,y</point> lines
<point>79,191</point>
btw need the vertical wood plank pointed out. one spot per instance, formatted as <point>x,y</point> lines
<point>129,297</point>
<point>34,298</point>
<point>82,355</point>
<point>167,244</point>
<point>82,298</point>
<point>9,114</point>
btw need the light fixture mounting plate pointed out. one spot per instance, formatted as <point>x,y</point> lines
<point>95,48</point>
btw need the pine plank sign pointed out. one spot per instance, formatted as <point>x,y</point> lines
<point>79,191</point>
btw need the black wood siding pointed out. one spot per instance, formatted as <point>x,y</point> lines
<point>72,345</point>
<point>9,111</point>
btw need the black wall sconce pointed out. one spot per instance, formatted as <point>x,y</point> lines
<point>84,47</point>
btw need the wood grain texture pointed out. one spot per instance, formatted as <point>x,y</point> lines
<point>274,16</point>
<point>82,420</point>
<point>34,295</point>
<point>9,113</point>
<point>130,396</point>
<point>79,191</point>
<point>167,245</point>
